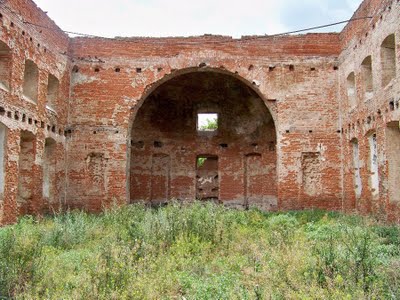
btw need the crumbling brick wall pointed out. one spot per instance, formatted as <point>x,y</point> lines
<point>374,115</point>
<point>294,77</point>
<point>44,47</point>
<point>99,131</point>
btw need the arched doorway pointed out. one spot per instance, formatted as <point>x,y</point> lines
<point>203,134</point>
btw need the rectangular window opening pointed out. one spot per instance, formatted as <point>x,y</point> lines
<point>207,122</point>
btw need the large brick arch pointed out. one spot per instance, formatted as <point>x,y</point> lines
<point>152,87</point>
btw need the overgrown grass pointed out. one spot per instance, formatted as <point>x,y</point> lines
<point>199,251</point>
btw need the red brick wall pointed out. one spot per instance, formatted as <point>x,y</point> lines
<point>166,125</point>
<point>357,31</point>
<point>44,47</point>
<point>300,80</point>
<point>374,115</point>
<point>295,77</point>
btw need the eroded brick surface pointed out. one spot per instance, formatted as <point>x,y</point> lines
<point>374,113</point>
<point>88,122</point>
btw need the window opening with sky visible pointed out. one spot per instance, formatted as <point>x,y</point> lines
<point>207,122</point>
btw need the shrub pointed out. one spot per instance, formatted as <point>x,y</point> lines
<point>199,251</point>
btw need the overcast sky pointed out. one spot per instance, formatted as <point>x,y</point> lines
<point>187,17</point>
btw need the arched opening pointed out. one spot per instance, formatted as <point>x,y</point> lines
<point>207,178</point>
<point>53,86</point>
<point>31,81</point>
<point>356,168</point>
<point>5,66</point>
<point>49,171</point>
<point>26,183</point>
<point>393,160</point>
<point>351,90</point>
<point>388,59</point>
<point>373,166</point>
<point>366,76</point>
<point>3,132</point>
<point>171,134</point>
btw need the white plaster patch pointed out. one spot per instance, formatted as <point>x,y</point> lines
<point>139,80</point>
<point>79,78</point>
<point>204,180</point>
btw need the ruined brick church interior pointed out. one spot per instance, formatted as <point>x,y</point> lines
<point>301,121</point>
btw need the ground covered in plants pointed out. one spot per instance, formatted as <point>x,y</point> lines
<point>199,251</point>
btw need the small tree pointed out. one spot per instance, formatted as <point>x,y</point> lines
<point>212,124</point>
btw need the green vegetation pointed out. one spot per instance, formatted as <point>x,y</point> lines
<point>199,251</point>
<point>211,125</point>
<point>201,161</point>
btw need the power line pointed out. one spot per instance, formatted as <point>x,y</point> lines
<point>321,26</point>
<point>246,38</point>
<point>65,31</point>
<point>272,35</point>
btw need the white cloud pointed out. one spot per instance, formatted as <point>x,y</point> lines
<point>184,18</point>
